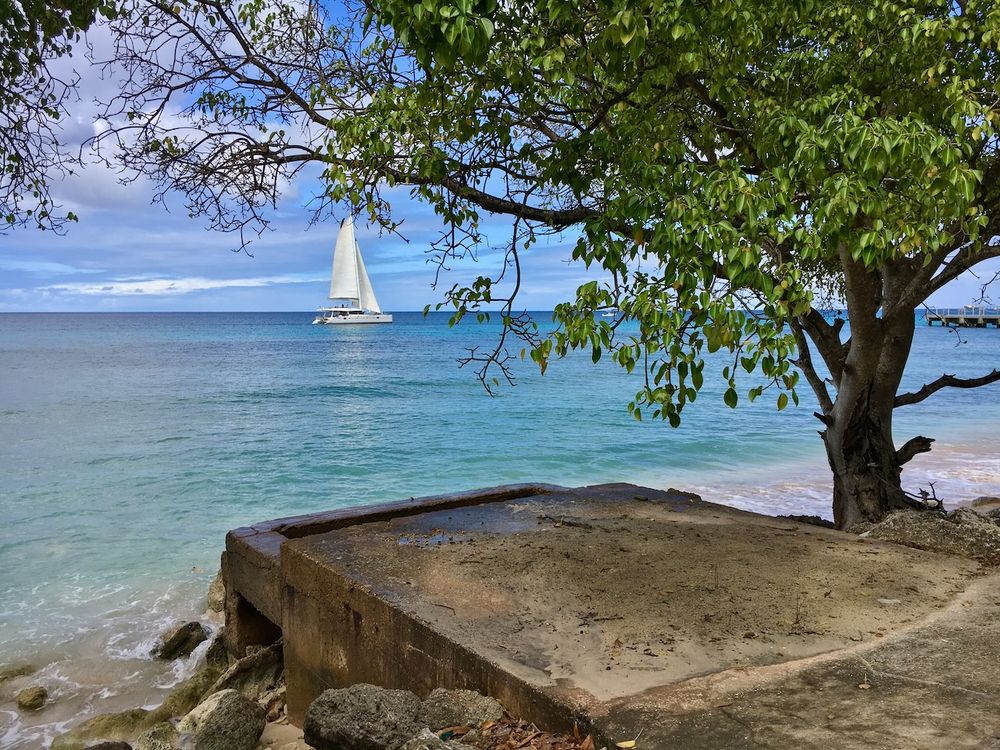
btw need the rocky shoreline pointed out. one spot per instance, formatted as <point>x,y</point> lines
<point>234,703</point>
<point>239,704</point>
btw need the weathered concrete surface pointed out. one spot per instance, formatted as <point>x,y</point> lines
<point>632,609</point>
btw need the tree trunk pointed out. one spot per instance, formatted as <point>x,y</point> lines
<point>866,471</point>
<point>859,443</point>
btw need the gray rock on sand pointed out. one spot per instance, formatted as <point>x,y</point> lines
<point>362,717</point>
<point>449,708</point>
<point>110,745</point>
<point>227,720</point>
<point>427,740</point>
<point>986,502</point>
<point>962,532</point>
<point>180,641</point>
<point>32,698</point>
<point>217,594</point>
<point>162,736</point>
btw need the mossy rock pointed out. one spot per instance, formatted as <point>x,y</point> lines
<point>12,671</point>
<point>32,698</point>
<point>187,695</point>
<point>162,736</point>
<point>120,726</point>
<point>128,724</point>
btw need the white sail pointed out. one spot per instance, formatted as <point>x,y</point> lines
<point>366,300</point>
<point>344,280</point>
<point>349,281</point>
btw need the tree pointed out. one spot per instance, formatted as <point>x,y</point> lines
<point>33,33</point>
<point>762,160</point>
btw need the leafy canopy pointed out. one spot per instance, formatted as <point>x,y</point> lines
<point>32,34</point>
<point>743,151</point>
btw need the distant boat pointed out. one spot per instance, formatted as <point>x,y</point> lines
<point>349,282</point>
<point>611,312</point>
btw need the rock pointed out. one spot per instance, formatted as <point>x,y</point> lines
<point>217,594</point>
<point>186,695</point>
<point>362,717</point>
<point>227,720</point>
<point>985,502</point>
<point>427,740</point>
<point>253,675</point>
<point>16,670</point>
<point>110,745</point>
<point>180,641</point>
<point>273,703</point>
<point>962,532</point>
<point>126,725</point>
<point>32,698</point>
<point>450,708</point>
<point>120,726</point>
<point>811,520</point>
<point>217,655</point>
<point>162,736</point>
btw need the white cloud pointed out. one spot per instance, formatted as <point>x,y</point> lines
<point>43,267</point>
<point>142,286</point>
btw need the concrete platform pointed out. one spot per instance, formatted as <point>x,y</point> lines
<point>624,609</point>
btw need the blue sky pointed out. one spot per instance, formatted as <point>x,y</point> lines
<point>128,254</point>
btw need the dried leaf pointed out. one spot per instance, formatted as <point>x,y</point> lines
<point>627,744</point>
<point>588,743</point>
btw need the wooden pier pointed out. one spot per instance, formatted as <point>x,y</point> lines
<point>970,316</point>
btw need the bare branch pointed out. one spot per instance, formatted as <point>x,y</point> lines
<point>913,447</point>
<point>945,381</point>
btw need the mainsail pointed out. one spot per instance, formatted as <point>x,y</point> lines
<point>349,279</point>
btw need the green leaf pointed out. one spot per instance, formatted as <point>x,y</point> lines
<point>731,398</point>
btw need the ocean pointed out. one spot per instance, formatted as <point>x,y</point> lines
<point>130,444</point>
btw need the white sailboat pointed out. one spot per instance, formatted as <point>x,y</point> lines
<point>349,282</point>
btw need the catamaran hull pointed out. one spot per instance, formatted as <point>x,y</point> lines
<point>342,320</point>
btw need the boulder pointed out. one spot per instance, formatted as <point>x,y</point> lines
<point>217,594</point>
<point>162,736</point>
<point>32,698</point>
<point>255,674</point>
<point>362,717</point>
<point>427,740</point>
<point>180,641</point>
<point>450,708</point>
<point>110,745</point>
<point>962,532</point>
<point>227,720</point>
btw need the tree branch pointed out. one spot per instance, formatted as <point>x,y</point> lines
<point>913,447</point>
<point>945,381</point>
<point>805,364</point>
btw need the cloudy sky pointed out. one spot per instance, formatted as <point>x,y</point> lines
<point>129,254</point>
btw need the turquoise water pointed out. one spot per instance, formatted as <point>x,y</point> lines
<point>130,443</point>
